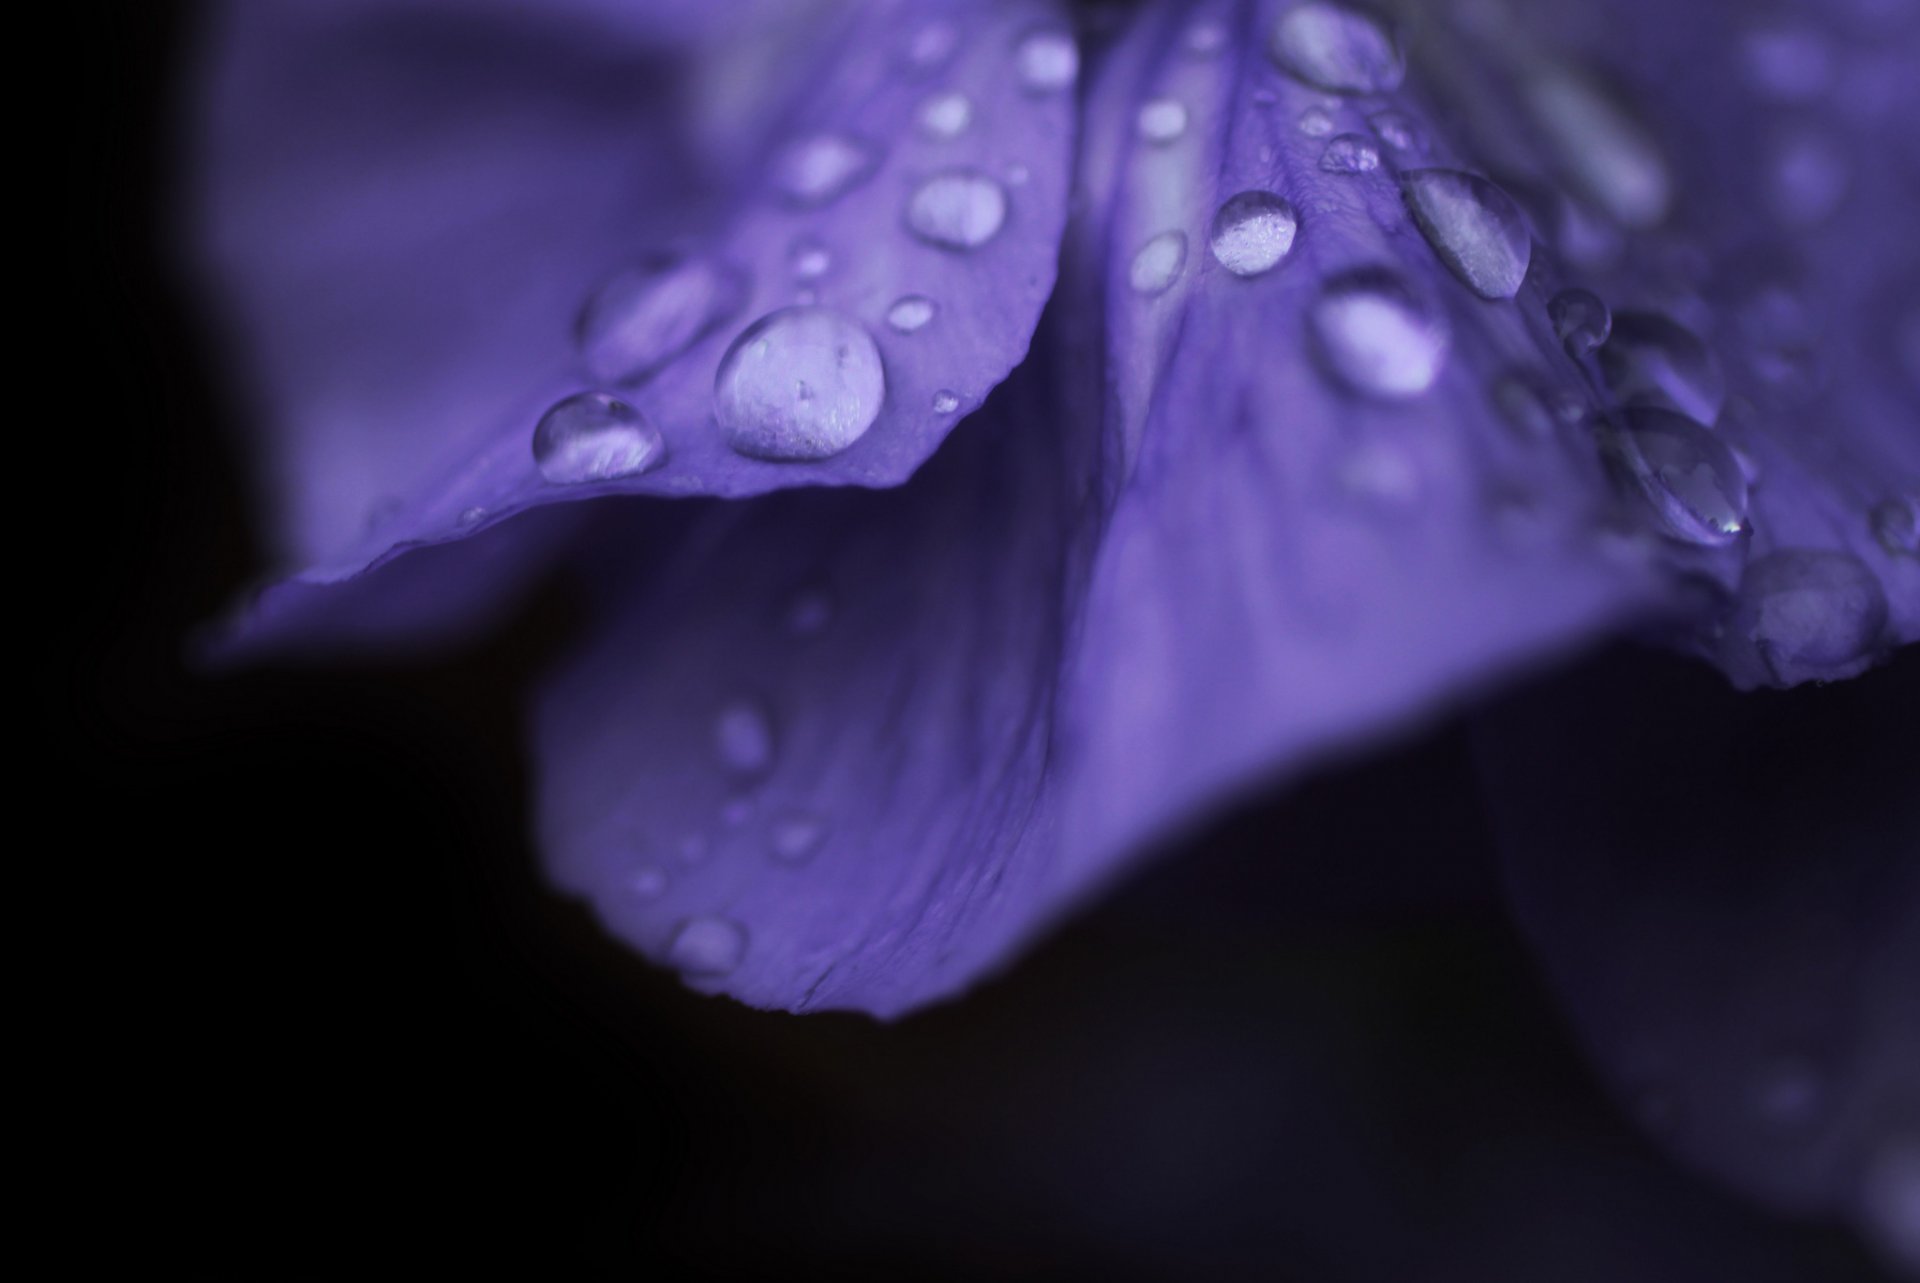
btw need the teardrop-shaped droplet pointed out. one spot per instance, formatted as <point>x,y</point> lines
<point>1689,479</point>
<point>1604,152</point>
<point>821,168</point>
<point>1896,525</point>
<point>1581,319</point>
<point>707,946</point>
<point>946,115</point>
<point>912,313</point>
<point>796,838</point>
<point>802,383</point>
<point>1253,233</point>
<point>1350,154</point>
<point>1048,61</point>
<point>1162,120</point>
<point>743,737</point>
<point>1804,614</point>
<point>1474,227</point>
<point>643,318</point>
<point>1334,48</point>
<point>959,209</point>
<point>1652,359</point>
<point>1376,336</point>
<point>1158,263</point>
<point>595,437</point>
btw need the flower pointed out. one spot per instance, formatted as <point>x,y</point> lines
<point>1098,412</point>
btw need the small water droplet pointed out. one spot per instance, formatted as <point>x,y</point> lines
<point>646,885</point>
<point>1804,614</point>
<point>1162,120</point>
<point>1316,122</point>
<point>1605,153</point>
<point>1158,263</point>
<point>809,259</point>
<point>1204,39</point>
<point>958,209</point>
<point>1686,475</point>
<point>1581,319</point>
<point>946,116</point>
<point>932,46</point>
<point>1896,525</point>
<point>592,436</point>
<point>1350,154</point>
<point>1048,61</point>
<point>1397,130</point>
<point>801,383</point>
<point>1253,233</point>
<point>912,314</point>
<point>820,169</point>
<point>945,402</point>
<point>1651,359</point>
<point>707,946</point>
<point>644,317</point>
<point>470,517</point>
<point>1474,228</point>
<point>743,737</point>
<point>1376,336</point>
<point>796,838</point>
<point>1334,48</point>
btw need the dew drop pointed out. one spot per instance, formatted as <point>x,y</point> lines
<point>743,737</point>
<point>1376,337</point>
<point>796,838</point>
<point>912,314</point>
<point>1253,233</point>
<point>1686,475</point>
<point>1048,61</point>
<point>1605,153</point>
<point>1332,47</point>
<point>802,383</point>
<point>707,946</point>
<point>1896,526</point>
<point>644,317</point>
<point>820,169</point>
<point>1350,154</point>
<point>1805,615</point>
<point>1474,228</point>
<point>809,259</point>
<point>946,116</point>
<point>1157,265</point>
<point>959,209</point>
<point>592,436</point>
<point>470,517</point>
<point>1581,319</point>
<point>1397,130</point>
<point>1316,122</point>
<point>1651,359</point>
<point>1162,120</point>
<point>945,402</point>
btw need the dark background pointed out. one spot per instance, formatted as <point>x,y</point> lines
<point>349,1029</point>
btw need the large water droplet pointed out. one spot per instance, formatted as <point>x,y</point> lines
<point>1606,154</point>
<point>743,737</point>
<point>912,313</point>
<point>960,209</point>
<point>1652,359</point>
<point>1581,319</point>
<point>1048,61</point>
<point>1687,476</point>
<point>1253,232</point>
<point>1336,49</point>
<point>1157,266</point>
<point>1350,154</point>
<point>643,318</point>
<point>821,168</point>
<point>595,437</point>
<point>1376,336</point>
<point>946,116</point>
<point>796,838</point>
<point>707,946</point>
<point>802,383</point>
<point>1475,228</point>
<point>1805,615</point>
<point>1162,120</point>
<point>1896,525</point>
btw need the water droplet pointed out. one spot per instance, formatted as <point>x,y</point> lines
<point>707,946</point>
<point>1652,359</point>
<point>1350,154</point>
<point>801,383</point>
<point>822,168</point>
<point>1896,525</point>
<point>1889,1201</point>
<point>809,614</point>
<point>646,885</point>
<point>1581,319</point>
<point>1048,60</point>
<point>1686,475</point>
<point>1316,122</point>
<point>1474,228</point>
<point>1376,336</point>
<point>595,437</point>
<point>809,259</point>
<point>1605,153</point>
<point>1253,232</point>
<point>932,46</point>
<point>959,209</point>
<point>470,517</point>
<point>1336,49</point>
<point>796,838</point>
<point>912,313</point>
<point>1162,120</point>
<point>743,737</point>
<point>945,402</point>
<point>946,116</point>
<point>644,317</point>
<point>1804,615</point>
<point>1397,130</point>
<point>1157,265</point>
